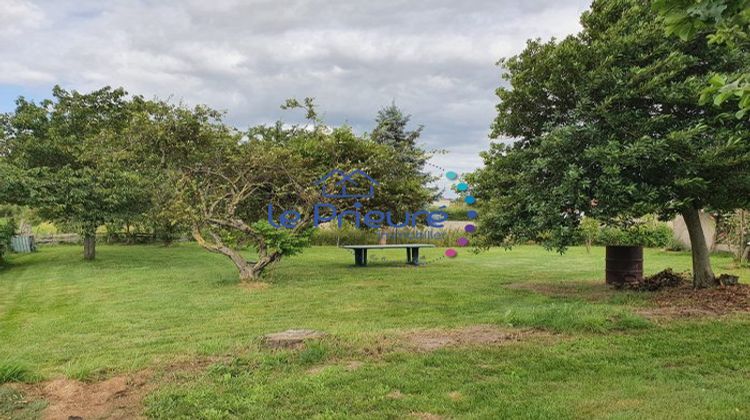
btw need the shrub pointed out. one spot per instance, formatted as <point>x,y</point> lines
<point>348,235</point>
<point>7,230</point>
<point>45,228</point>
<point>345,235</point>
<point>676,245</point>
<point>456,211</point>
<point>590,231</point>
<point>649,234</point>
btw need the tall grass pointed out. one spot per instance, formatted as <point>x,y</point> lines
<point>347,235</point>
<point>13,372</point>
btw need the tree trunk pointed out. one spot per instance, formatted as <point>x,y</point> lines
<point>89,246</point>
<point>249,271</point>
<point>252,271</point>
<point>703,275</point>
<point>247,274</point>
<point>265,261</point>
<point>245,267</point>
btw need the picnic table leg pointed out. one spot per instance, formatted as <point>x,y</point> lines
<point>415,256</point>
<point>408,255</point>
<point>364,257</point>
<point>359,257</point>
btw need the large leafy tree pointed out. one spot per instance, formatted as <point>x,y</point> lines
<point>68,161</point>
<point>606,124</point>
<point>226,179</point>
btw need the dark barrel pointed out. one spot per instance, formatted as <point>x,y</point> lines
<point>624,264</point>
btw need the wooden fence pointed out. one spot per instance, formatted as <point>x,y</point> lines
<point>119,238</point>
<point>59,238</point>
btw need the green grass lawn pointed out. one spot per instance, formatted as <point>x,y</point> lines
<point>145,307</point>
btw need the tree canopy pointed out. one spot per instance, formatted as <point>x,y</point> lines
<point>89,159</point>
<point>226,179</point>
<point>720,22</point>
<point>391,129</point>
<point>65,156</point>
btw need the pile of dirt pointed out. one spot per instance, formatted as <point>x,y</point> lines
<point>721,300</point>
<point>115,398</point>
<point>661,280</point>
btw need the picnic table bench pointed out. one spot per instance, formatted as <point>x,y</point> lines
<point>412,252</point>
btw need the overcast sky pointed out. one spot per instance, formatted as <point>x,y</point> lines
<point>435,59</point>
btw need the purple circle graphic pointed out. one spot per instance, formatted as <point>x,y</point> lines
<point>462,241</point>
<point>470,228</point>
<point>450,253</point>
<point>471,214</point>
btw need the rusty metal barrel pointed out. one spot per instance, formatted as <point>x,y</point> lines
<point>624,265</point>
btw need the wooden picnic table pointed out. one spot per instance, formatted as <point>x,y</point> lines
<point>412,252</point>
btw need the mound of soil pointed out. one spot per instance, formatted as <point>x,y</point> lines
<point>661,280</point>
<point>115,398</point>
<point>719,300</point>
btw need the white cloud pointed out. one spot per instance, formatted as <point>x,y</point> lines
<point>19,74</point>
<point>434,58</point>
<point>17,16</point>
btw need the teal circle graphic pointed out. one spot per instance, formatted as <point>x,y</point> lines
<point>469,228</point>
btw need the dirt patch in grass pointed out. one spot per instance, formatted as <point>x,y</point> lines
<point>353,365</point>
<point>684,301</point>
<point>395,395</point>
<point>119,397</point>
<point>193,365</point>
<point>479,335</point>
<point>588,291</point>
<point>455,396</point>
<point>290,339</point>
<point>349,366</point>
<point>676,299</point>
<point>425,416</point>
